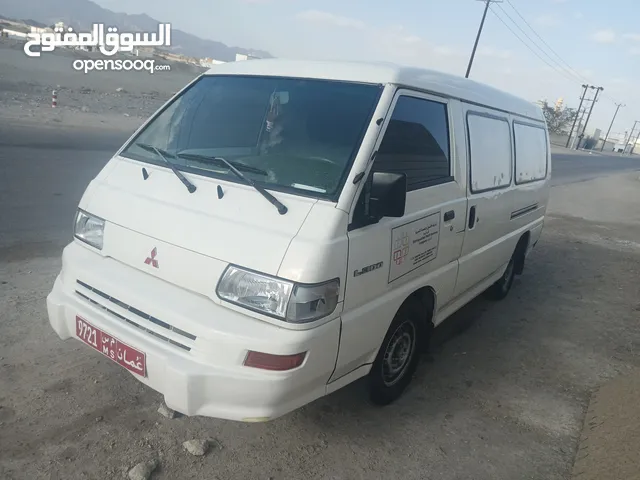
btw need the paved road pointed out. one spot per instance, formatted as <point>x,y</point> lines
<point>44,172</point>
<point>578,166</point>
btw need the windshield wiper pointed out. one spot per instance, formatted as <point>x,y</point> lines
<point>209,159</point>
<point>273,200</point>
<point>163,155</point>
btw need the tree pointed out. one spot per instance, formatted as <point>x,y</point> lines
<point>559,120</point>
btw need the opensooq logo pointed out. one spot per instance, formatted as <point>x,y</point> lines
<point>108,43</point>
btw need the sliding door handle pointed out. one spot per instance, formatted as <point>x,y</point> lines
<point>472,216</point>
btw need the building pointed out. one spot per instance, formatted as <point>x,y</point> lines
<point>209,62</point>
<point>241,56</point>
<point>14,31</point>
<point>41,29</point>
<point>559,104</point>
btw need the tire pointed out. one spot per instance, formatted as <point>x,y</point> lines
<point>399,354</point>
<point>501,288</point>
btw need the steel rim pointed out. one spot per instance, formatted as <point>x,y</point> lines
<point>398,353</point>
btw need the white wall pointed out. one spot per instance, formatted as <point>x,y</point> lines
<point>14,33</point>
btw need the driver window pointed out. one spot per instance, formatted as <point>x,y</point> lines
<point>416,143</point>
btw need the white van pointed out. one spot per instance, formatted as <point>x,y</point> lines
<point>280,229</point>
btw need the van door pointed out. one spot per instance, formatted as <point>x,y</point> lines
<point>387,259</point>
<point>487,244</point>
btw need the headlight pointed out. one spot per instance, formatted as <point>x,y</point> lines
<point>288,301</point>
<point>89,229</point>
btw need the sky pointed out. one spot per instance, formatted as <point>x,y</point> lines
<point>586,41</point>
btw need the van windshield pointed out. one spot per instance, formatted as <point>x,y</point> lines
<point>287,134</point>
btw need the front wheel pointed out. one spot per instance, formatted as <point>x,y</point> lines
<point>398,356</point>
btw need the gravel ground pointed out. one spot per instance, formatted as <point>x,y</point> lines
<point>503,398</point>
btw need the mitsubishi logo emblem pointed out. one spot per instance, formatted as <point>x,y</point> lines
<point>152,259</point>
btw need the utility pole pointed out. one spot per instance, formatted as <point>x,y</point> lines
<point>584,111</point>
<point>475,45</point>
<point>628,140</point>
<point>633,145</point>
<point>618,105</point>
<point>575,119</point>
<point>595,99</point>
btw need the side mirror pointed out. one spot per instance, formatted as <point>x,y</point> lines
<point>388,194</point>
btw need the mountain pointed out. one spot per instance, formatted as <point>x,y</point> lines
<point>82,14</point>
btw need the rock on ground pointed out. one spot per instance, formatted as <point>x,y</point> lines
<point>196,447</point>
<point>143,470</point>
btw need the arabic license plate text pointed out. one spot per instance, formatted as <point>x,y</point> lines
<point>121,353</point>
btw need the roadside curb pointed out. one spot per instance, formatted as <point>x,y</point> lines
<point>610,436</point>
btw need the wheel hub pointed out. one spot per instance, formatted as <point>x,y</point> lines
<point>398,353</point>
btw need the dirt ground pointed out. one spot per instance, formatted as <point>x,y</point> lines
<point>504,396</point>
<point>112,99</point>
<point>608,447</point>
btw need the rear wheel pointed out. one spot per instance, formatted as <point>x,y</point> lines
<point>399,354</point>
<point>501,288</point>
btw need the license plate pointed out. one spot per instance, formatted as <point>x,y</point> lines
<point>133,360</point>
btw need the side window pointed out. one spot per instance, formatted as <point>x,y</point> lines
<point>490,152</point>
<point>416,142</point>
<point>531,152</point>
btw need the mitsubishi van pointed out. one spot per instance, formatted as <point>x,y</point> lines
<point>279,229</point>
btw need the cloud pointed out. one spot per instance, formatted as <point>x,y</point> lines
<point>619,80</point>
<point>559,1</point>
<point>494,53</point>
<point>445,51</point>
<point>604,36</point>
<point>632,36</point>
<point>578,15</point>
<point>635,51</point>
<point>548,20</point>
<point>326,18</point>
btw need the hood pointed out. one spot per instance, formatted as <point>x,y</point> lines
<point>242,227</point>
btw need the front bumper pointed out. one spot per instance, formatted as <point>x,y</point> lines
<point>194,355</point>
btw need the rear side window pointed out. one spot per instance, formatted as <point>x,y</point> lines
<point>416,143</point>
<point>490,152</point>
<point>531,152</point>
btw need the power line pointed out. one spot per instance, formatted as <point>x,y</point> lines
<point>561,72</point>
<point>576,77</point>
<point>543,41</point>
<point>568,67</point>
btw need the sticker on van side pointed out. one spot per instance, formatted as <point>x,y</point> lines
<point>413,245</point>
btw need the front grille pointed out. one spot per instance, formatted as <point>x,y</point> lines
<point>141,320</point>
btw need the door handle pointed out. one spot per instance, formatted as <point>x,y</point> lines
<point>472,216</point>
<point>450,215</point>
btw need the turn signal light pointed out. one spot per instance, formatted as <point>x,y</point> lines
<point>267,361</point>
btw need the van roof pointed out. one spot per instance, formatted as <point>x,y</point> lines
<point>385,73</point>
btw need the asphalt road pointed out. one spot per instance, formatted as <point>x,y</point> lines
<point>579,166</point>
<point>44,172</point>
